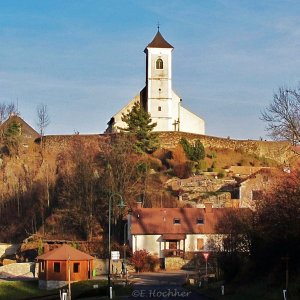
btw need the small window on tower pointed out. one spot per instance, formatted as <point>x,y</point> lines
<point>159,108</point>
<point>159,64</point>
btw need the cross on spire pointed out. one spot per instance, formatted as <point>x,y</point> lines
<point>158,26</point>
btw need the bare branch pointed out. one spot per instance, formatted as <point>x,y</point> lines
<point>43,118</point>
<point>7,110</point>
<point>282,116</point>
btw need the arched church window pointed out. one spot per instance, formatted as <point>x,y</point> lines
<point>159,64</point>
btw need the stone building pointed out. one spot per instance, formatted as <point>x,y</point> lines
<point>27,133</point>
<point>158,97</point>
<point>252,189</point>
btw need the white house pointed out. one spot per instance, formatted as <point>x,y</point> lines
<point>158,97</point>
<point>166,232</point>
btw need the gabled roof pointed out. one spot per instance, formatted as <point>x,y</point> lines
<point>64,253</point>
<point>161,220</point>
<point>159,42</point>
<point>27,131</point>
<point>269,172</point>
<point>245,170</point>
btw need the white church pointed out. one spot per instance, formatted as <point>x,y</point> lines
<point>158,97</point>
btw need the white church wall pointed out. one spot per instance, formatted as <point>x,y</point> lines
<point>125,109</point>
<point>189,122</point>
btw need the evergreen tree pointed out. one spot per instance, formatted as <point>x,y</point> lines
<point>12,136</point>
<point>193,152</point>
<point>139,124</point>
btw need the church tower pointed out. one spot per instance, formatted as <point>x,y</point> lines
<point>159,83</point>
<point>158,97</point>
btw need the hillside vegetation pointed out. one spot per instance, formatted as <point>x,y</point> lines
<point>60,188</point>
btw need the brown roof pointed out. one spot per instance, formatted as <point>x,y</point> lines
<point>161,220</point>
<point>173,236</point>
<point>64,253</point>
<point>26,130</point>
<point>245,170</point>
<point>159,42</point>
<point>269,172</point>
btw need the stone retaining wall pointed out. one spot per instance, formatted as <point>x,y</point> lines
<point>175,263</point>
<point>279,151</point>
<point>8,249</point>
<point>29,269</point>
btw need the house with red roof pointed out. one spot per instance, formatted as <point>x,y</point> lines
<point>56,267</point>
<point>174,232</point>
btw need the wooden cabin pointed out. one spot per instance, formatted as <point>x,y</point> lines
<point>57,265</point>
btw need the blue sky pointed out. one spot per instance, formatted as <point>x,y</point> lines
<point>84,59</point>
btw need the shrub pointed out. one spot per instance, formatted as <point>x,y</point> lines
<point>179,155</point>
<point>221,174</point>
<point>212,155</point>
<point>182,170</point>
<point>202,165</point>
<point>144,261</point>
<point>155,163</point>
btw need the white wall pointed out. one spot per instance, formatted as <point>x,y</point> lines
<point>125,110</point>
<point>190,122</point>
<point>151,243</point>
<point>154,243</point>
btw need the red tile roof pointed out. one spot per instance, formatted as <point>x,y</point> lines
<point>64,253</point>
<point>159,42</point>
<point>161,220</point>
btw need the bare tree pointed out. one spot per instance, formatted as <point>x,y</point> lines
<point>7,110</point>
<point>2,112</point>
<point>43,118</point>
<point>11,109</point>
<point>282,116</point>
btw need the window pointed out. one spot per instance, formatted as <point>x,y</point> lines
<point>176,221</point>
<point>159,64</point>
<point>76,267</point>
<point>200,221</point>
<point>159,108</point>
<point>56,267</point>
<point>42,266</point>
<point>200,244</point>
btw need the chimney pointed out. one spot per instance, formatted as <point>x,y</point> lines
<point>208,207</point>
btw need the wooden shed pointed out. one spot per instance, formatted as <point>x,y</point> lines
<point>55,265</point>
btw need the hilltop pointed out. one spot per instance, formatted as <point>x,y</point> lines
<point>59,188</point>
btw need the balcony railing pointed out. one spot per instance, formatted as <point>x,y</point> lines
<point>173,253</point>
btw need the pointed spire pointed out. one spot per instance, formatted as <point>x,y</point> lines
<point>158,41</point>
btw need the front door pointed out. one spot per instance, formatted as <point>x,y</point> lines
<point>172,245</point>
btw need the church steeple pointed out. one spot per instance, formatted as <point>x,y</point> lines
<point>159,42</point>
<point>159,82</point>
